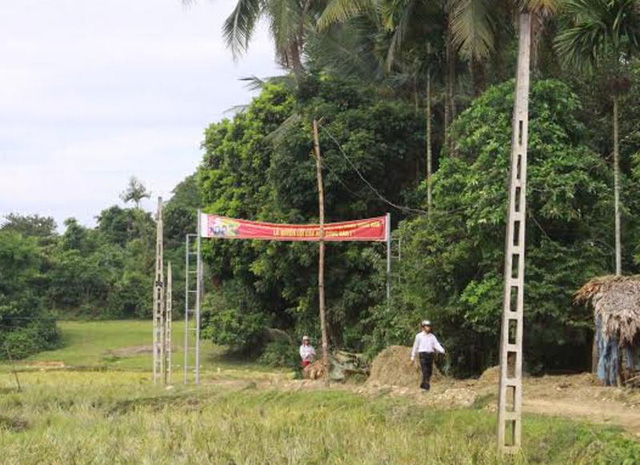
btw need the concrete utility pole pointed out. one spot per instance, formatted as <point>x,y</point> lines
<point>167,326</point>
<point>321,300</point>
<point>510,395</point>
<point>158,302</point>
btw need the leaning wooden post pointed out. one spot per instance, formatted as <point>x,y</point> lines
<point>321,303</point>
<point>510,394</point>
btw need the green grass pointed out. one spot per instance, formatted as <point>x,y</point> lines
<point>118,416</point>
<point>90,345</point>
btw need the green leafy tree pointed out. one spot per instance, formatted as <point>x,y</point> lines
<point>451,270</point>
<point>30,225</point>
<point>25,326</point>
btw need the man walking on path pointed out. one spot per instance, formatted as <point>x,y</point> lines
<point>425,346</point>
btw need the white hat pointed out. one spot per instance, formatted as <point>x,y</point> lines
<point>305,338</point>
<point>426,323</point>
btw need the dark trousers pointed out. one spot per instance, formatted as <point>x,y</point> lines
<point>426,365</point>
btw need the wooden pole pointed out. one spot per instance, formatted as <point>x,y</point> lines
<point>429,149</point>
<point>616,186</point>
<point>321,300</point>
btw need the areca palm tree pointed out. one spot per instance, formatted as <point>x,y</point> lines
<point>604,34</point>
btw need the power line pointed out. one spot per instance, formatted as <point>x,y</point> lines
<point>373,189</point>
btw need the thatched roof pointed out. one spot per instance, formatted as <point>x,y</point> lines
<point>616,299</point>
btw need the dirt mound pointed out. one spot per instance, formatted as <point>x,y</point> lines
<point>47,365</point>
<point>132,350</point>
<point>490,375</point>
<point>313,371</point>
<point>393,367</point>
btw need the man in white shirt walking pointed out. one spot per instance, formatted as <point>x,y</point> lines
<point>425,347</point>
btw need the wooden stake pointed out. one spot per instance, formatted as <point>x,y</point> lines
<point>13,367</point>
<point>323,319</point>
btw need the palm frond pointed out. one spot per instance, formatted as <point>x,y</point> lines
<point>472,27</point>
<point>239,26</point>
<point>340,11</point>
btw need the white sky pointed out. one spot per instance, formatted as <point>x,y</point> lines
<point>95,91</point>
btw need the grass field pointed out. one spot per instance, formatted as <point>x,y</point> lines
<point>114,345</point>
<point>119,417</point>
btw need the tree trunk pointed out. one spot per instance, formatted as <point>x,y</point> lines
<point>321,302</point>
<point>429,149</point>
<point>450,106</point>
<point>616,186</point>
<point>447,84</point>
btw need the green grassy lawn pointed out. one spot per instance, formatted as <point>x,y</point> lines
<point>117,416</point>
<point>113,345</point>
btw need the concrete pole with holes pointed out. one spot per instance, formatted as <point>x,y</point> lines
<point>510,393</point>
<point>158,302</point>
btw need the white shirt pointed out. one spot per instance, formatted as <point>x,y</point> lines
<point>307,352</point>
<point>425,342</point>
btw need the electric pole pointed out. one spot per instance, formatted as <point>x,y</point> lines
<point>321,299</point>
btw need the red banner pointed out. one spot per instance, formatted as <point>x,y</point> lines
<point>220,227</point>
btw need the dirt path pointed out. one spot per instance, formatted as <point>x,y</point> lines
<point>574,397</point>
<point>594,411</point>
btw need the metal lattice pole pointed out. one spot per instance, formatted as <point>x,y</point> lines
<point>190,304</point>
<point>510,395</point>
<point>198,298</point>
<point>158,301</point>
<point>167,325</point>
<point>388,234</point>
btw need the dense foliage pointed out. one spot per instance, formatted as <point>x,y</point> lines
<point>25,326</point>
<point>259,166</point>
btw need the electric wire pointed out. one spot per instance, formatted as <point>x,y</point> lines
<point>369,185</point>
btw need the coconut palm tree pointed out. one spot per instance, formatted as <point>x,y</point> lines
<point>604,34</point>
<point>289,22</point>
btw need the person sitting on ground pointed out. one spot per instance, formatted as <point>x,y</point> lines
<point>425,346</point>
<point>307,352</point>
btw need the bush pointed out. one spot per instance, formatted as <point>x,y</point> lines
<point>280,354</point>
<point>231,317</point>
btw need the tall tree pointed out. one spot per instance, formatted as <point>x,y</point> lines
<point>604,34</point>
<point>135,192</point>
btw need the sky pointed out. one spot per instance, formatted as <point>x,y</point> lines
<point>94,92</point>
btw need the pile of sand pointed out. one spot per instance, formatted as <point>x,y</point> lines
<point>393,367</point>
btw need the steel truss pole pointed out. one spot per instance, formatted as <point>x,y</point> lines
<point>198,298</point>
<point>167,325</point>
<point>388,233</point>
<point>510,394</point>
<point>187,249</point>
